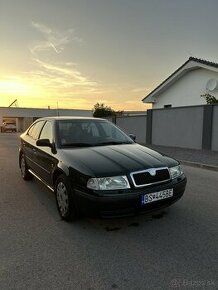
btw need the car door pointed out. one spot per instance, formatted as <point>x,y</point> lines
<point>29,144</point>
<point>44,157</point>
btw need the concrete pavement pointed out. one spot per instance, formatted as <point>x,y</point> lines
<point>176,250</point>
<point>198,158</point>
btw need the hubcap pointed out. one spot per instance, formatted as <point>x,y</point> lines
<point>62,198</point>
<point>23,166</point>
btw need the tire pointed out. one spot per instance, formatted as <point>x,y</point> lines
<point>65,199</point>
<point>26,175</point>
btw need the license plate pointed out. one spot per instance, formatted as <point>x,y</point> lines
<point>155,196</point>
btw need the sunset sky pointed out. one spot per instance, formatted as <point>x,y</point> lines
<point>79,52</point>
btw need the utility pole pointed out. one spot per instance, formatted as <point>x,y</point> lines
<point>57,109</point>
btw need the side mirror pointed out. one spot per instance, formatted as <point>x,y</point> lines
<point>44,143</point>
<point>132,136</point>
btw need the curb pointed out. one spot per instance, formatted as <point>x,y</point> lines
<point>199,165</point>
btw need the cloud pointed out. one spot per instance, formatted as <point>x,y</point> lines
<point>57,77</point>
<point>53,39</point>
<point>63,77</point>
<point>66,73</point>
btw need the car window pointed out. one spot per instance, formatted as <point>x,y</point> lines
<point>29,132</point>
<point>112,131</point>
<point>72,132</point>
<point>90,133</point>
<point>90,128</point>
<point>34,131</point>
<point>46,132</point>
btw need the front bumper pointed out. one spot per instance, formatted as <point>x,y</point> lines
<point>127,204</point>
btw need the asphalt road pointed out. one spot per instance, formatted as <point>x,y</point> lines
<point>176,250</point>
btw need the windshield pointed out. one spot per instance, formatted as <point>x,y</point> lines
<point>83,133</point>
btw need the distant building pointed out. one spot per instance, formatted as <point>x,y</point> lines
<point>23,117</point>
<point>185,86</point>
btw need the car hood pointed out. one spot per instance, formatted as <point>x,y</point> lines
<point>114,159</point>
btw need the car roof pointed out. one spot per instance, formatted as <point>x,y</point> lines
<point>62,118</point>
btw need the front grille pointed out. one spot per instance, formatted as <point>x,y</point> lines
<point>150,176</point>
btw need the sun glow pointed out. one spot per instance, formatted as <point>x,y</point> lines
<point>46,91</point>
<point>14,87</point>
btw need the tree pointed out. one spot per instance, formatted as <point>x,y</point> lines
<point>100,110</point>
<point>210,99</point>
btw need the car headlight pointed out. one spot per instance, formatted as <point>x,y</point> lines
<point>108,183</point>
<point>175,171</point>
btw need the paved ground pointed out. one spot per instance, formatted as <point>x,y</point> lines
<point>199,156</point>
<point>39,251</point>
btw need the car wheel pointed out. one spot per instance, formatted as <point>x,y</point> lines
<point>64,199</point>
<point>26,175</point>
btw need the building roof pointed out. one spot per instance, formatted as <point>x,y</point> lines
<point>191,64</point>
<point>203,61</point>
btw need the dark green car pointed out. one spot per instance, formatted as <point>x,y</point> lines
<point>95,168</point>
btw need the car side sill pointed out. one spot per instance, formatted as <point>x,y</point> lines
<point>40,179</point>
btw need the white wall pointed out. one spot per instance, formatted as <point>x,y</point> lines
<point>187,90</point>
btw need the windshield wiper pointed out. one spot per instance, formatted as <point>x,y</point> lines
<point>94,144</point>
<point>77,145</point>
<point>112,143</point>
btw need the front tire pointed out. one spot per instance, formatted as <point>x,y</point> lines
<point>26,175</point>
<point>64,199</point>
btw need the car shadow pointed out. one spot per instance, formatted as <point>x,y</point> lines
<point>45,197</point>
<point>132,222</point>
<point>47,200</point>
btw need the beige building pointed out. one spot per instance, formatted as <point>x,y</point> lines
<point>23,117</point>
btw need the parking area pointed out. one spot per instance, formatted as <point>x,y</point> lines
<point>177,249</point>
